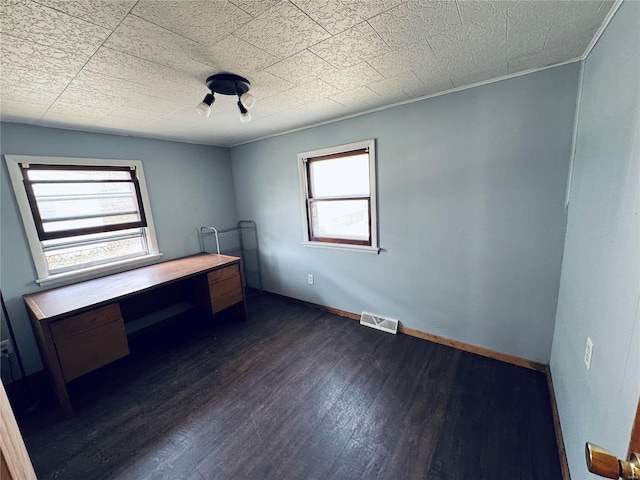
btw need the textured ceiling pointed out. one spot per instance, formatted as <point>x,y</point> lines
<point>138,67</point>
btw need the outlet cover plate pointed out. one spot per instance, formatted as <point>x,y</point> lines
<point>310,278</point>
<point>6,348</point>
<point>588,353</point>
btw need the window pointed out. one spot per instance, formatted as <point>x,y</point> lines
<point>83,216</point>
<point>338,193</point>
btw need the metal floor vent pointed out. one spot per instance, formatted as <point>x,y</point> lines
<point>385,324</point>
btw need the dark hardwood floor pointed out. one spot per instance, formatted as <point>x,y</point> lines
<point>297,393</point>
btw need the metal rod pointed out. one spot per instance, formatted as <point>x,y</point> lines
<point>202,234</point>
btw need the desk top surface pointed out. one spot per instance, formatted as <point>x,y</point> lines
<point>61,301</point>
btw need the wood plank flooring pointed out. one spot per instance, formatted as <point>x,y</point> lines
<point>297,393</point>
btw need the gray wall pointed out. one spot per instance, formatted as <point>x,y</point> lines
<point>471,215</point>
<point>189,186</point>
<point>600,286</point>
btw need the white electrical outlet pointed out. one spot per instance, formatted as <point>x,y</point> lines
<point>6,348</point>
<point>310,278</point>
<point>588,353</point>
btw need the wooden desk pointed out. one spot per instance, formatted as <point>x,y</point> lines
<point>84,326</point>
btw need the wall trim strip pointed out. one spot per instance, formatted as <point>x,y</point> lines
<point>602,28</point>
<point>574,138</point>
<point>466,347</point>
<point>562,453</point>
<point>413,100</point>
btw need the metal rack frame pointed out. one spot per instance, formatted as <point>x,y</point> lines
<point>248,250</point>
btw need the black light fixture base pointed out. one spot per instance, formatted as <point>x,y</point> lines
<point>228,84</point>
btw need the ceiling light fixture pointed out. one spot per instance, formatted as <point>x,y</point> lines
<point>228,84</point>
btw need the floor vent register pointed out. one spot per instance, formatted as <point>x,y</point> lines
<point>389,325</point>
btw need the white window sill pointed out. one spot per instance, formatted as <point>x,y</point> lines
<point>343,246</point>
<point>92,271</point>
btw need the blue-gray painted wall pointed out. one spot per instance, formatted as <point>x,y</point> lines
<point>600,286</point>
<point>189,186</point>
<point>472,222</point>
<point>471,189</point>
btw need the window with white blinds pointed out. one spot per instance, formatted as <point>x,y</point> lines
<point>72,200</point>
<point>82,214</point>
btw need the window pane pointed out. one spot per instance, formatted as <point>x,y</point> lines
<point>88,250</point>
<point>88,222</point>
<point>340,176</point>
<point>81,200</point>
<point>80,174</point>
<point>346,219</point>
<point>64,200</point>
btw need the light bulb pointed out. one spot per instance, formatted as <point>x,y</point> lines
<point>244,115</point>
<point>248,100</point>
<point>204,107</point>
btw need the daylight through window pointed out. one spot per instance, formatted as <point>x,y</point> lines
<point>338,185</point>
<point>82,215</point>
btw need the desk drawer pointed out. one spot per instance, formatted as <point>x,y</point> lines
<point>223,274</point>
<point>225,287</point>
<point>84,322</point>
<point>90,340</point>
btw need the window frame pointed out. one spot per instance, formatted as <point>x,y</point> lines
<point>306,199</point>
<point>44,277</point>
<point>43,234</point>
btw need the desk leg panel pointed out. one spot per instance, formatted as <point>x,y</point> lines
<point>242,307</point>
<point>52,365</point>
